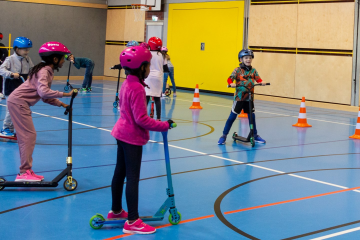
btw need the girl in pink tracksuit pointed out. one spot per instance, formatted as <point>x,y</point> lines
<point>132,132</point>
<point>37,87</point>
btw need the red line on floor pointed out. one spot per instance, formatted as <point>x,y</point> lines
<point>246,209</point>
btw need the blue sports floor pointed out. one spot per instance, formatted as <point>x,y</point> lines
<point>296,186</point>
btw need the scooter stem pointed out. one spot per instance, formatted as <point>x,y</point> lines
<point>167,162</point>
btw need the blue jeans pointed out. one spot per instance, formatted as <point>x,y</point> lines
<point>171,74</point>
<point>88,74</point>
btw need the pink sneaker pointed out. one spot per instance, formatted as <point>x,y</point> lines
<point>37,176</point>
<point>138,227</point>
<point>122,214</point>
<point>27,177</point>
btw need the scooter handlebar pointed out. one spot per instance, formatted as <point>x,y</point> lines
<point>68,108</point>
<point>173,125</point>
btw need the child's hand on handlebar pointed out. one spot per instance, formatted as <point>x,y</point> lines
<point>170,123</point>
<point>263,83</point>
<point>233,85</point>
<point>69,94</point>
<point>15,75</point>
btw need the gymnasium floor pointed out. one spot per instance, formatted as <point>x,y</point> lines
<point>296,186</point>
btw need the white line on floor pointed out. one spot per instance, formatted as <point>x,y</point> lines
<point>279,114</point>
<point>337,234</point>
<point>202,153</point>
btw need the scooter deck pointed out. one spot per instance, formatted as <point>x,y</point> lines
<point>240,138</point>
<point>28,184</point>
<point>122,220</point>
<point>9,138</point>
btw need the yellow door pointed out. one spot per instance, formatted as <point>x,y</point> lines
<point>219,26</point>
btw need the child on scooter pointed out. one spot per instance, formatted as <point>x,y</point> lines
<point>13,68</point>
<point>37,87</point>
<point>132,132</point>
<point>88,64</point>
<point>245,74</point>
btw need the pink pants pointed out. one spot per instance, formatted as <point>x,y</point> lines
<point>25,132</point>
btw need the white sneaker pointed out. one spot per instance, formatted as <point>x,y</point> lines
<point>2,96</point>
<point>174,95</point>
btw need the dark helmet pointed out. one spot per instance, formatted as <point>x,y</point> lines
<point>246,52</point>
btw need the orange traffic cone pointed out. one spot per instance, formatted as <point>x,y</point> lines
<point>302,122</point>
<point>196,101</point>
<point>357,130</point>
<point>243,115</point>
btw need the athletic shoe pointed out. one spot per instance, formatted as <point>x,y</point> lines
<point>222,140</point>
<point>258,139</point>
<point>163,95</point>
<point>174,95</point>
<point>37,176</point>
<point>89,89</point>
<point>26,177</point>
<point>2,96</point>
<point>138,227</point>
<point>122,214</point>
<point>7,133</point>
<point>82,89</point>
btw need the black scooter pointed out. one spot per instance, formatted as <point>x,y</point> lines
<point>70,184</point>
<point>250,137</point>
<point>68,85</point>
<point>116,103</point>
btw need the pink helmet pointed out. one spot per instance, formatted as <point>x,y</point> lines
<point>50,48</point>
<point>164,49</point>
<point>145,45</point>
<point>133,57</point>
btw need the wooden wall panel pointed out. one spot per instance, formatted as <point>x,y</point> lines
<point>134,30</point>
<point>112,53</point>
<point>273,25</point>
<point>323,78</point>
<point>115,24</point>
<point>279,70</point>
<point>326,26</point>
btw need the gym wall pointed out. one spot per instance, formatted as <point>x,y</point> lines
<point>217,24</point>
<point>81,29</point>
<point>121,27</point>
<point>303,49</point>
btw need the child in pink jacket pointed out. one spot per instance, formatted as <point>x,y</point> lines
<point>37,87</point>
<point>132,132</point>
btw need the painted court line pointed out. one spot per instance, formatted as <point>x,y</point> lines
<point>279,114</point>
<point>214,156</point>
<point>258,207</point>
<point>337,234</point>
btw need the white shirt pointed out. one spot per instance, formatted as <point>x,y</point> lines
<point>156,77</point>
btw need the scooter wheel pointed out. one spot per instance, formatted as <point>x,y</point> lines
<point>2,180</point>
<point>66,88</point>
<point>252,140</point>
<point>72,186</point>
<point>115,104</point>
<point>168,92</point>
<point>94,221</point>
<point>174,220</point>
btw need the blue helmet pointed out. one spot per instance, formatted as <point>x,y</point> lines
<point>22,42</point>
<point>246,52</point>
<point>132,44</point>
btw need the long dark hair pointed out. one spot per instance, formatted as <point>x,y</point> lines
<point>139,73</point>
<point>46,61</point>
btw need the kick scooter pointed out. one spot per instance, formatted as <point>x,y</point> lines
<point>98,220</point>
<point>152,107</point>
<point>13,138</point>
<point>68,85</point>
<point>250,137</point>
<point>70,184</point>
<point>116,103</point>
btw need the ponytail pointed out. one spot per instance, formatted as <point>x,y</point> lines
<point>46,61</point>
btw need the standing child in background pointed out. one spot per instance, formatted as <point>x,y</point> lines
<point>3,54</point>
<point>37,87</point>
<point>156,77</point>
<point>129,44</point>
<point>243,75</point>
<point>132,132</point>
<point>164,50</point>
<point>14,67</point>
<point>84,63</point>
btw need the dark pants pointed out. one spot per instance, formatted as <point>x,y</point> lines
<point>128,165</point>
<point>88,74</point>
<point>1,84</point>
<point>157,105</point>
